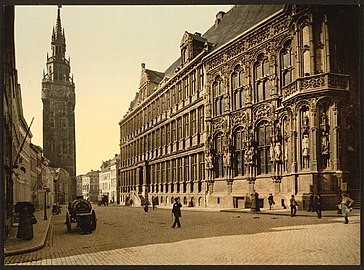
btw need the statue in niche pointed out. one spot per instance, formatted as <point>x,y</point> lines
<point>209,165</point>
<point>277,151</point>
<point>249,155</point>
<point>324,134</point>
<point>305,150</point>
<point>227,158</point>
<point>324,143</point>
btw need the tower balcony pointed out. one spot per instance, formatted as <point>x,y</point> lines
<point>316,83</point>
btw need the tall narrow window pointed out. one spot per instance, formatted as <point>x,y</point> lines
<point>193,123</point>
<point>239,152</point>
<point>186,88</point>
<point>64,146</point>
<point>219,155</point>
<point>286,64</point>
<point>193,83</point>
<point>218,93</point>
<point>262,84</point>
<point>263,139</point>
<point>186,131</point>
<point>305,47</point>
<point>200,78</point>
<point>179,92</point>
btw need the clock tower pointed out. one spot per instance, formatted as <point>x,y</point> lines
<point>58,97</point>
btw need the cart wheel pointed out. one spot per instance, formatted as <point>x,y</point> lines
<point>68,222</point>
<point>93,220</point>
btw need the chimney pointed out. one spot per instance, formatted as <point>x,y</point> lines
<point>219,17</point>
<point>197,34</point>
<point>143,66</point>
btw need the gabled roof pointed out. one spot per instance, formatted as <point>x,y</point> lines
<point>154,76</point>
<point>235,22</point>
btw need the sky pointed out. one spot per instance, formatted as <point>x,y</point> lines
<point>106,46</point>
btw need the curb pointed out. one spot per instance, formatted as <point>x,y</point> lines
<point>282,213</point>
<point>30,249</point>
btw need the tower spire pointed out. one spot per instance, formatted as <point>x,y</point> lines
<point>59,25</point>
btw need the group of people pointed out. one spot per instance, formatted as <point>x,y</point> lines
<point>315,205</point>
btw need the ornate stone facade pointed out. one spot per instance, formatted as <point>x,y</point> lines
<point>58,97</point>
<point>274,102</point>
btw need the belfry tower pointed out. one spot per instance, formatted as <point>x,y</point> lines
<point>58,97</point>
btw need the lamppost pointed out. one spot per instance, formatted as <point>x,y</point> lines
<point>45,202</point>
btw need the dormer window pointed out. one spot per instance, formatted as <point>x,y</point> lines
<point>191,46</point>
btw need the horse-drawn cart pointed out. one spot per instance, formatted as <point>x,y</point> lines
<point>81,211</point>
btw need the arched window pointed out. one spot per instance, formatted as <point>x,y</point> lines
<point>305,48</point>
<point>219,142</point>
<point>218,94</point>
<point>286,64</point>
<point>261,74</point>
<point>263,139</point>
<point>237,88</point>
<point>239,152</point>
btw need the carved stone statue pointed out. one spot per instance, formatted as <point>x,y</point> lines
<point>249,155</point>
<point>277,151</point>
<point>227,159</point>
<point>305,150</point>
<point>209,164</point>
<point>324,144</point>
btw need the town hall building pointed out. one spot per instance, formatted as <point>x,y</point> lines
<point>266,101</point>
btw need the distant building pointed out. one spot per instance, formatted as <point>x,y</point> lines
<point>90,185</point>
<point>266,101</point>
<point>79,185</point>
<point>58,97</point>
<point>109,179</point>
<point>61,186</point>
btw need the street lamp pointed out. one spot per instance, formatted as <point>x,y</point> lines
<point>45,202</point>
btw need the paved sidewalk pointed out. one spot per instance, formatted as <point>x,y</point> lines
<point>13,245</point>
<point>319,244</point>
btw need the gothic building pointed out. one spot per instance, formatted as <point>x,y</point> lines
<point>267,100</point>
<point>58,97</point>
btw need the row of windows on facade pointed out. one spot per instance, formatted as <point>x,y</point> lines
<point>262,83</point>
<point>182,128</point>
<point>162,104</point>
<point>188,86</point>
<point>263,158</point>
<point>261,90</point>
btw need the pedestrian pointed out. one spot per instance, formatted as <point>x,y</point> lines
<point>346,203</point>
<point>311,205</point>
<point>176,212</point>
<point>318,205</point>
<point>270,201</point>
<point>153,203</point>
<point>26,220</point>
<point>293,205</point>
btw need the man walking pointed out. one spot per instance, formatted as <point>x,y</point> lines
<point>318,205</point>
<point>293,205</point>
<point>270,201</point>
<point>176,211</point>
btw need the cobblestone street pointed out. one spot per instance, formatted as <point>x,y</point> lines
<point>128,236</point>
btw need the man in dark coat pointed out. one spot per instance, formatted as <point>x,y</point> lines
<point>318,205</point>
<point>176,211</point>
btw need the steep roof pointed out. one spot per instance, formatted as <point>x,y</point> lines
<point>235,22</point>
<point>154,76</point>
